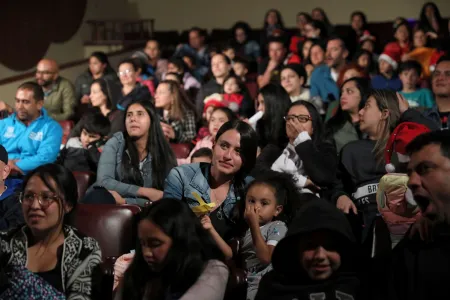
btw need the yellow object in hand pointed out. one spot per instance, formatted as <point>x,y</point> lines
<point>203,208</point>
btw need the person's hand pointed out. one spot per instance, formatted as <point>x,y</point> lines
<point>294,128</point>
<point>251,214</point>
<point>206,223</point>
<point>346,204</point>
<point>85,99</point>
<point>424,227</point>
<point>311,185</point>
<point>431,35</point>
<point>272,65</point>
<point>403,104</point>
<point>119,199</point>
<point>168,131</point>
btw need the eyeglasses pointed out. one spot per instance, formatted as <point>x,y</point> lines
<point>44,72</point>
<point>125,72</point>
<point>44,199</point>
<point>300,118</point>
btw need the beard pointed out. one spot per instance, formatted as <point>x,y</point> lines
<point>45,83</point>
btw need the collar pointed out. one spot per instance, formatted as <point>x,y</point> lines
<point>42,114</point>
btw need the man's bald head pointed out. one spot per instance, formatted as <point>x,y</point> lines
<point>47,71</point>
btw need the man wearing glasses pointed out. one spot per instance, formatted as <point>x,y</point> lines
<point>59,93</point>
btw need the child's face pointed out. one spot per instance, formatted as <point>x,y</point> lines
<point>262,198</point>
<point>318,255</point>
<point>231,86</point>
<point>363,61</point>
<point>402,33</point>
<point>368,45</point>
<point>420,39</point>
<point>155,244</point>
<point>208,113</point>
<point>385,67</point>
<point>230,53</point>
<point>240,70</point>
<point>217,119</point>
<point>87,138</point>
<point>199,159</point>
<point>409,78</point>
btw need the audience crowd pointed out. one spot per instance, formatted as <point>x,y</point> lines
<point>312,162</point>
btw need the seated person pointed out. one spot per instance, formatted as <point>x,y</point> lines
<point>173,249</point>
<point>47,258</point>
<point>134,163</point>
<point>59,92</point>
<point>409,73</point>
<point>219,116</point>
<point>240,68</point>
<point>202,155</point>
<point>10,209</point>
<point>82,152</point>
<point>178,120</point>
<point>157,66</point>
<point>30,136</point>
<point>316,258</point>
<point>237,98</point>
<point>388,64</point>
<point>293,78</point>
<point>143,77</point>
<point>177,65</point>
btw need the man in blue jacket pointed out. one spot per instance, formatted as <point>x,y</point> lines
<point>30,136</point>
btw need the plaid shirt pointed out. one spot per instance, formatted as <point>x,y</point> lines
<point>185,129</point>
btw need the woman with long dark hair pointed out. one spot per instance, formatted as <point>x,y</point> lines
<point>134,163</point>
<point>274,102</point>
<point>175,258</point>
<point>273,26</point>
<point>46,258</point>
<point>319,14</point>
<point>223,181</point>
<point>343,127</point>
<point>432,22</point>
<point>243,46</point>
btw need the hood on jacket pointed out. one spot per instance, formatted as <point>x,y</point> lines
<point>314,216</point>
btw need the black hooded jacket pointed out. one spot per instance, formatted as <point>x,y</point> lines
<point>288,280</point>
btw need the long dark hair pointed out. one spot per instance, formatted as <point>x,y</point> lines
<point>244,26</point>
<point>424,22</point>
<point>363,18</point>
<point>103,58</point>
<point>317,123</point>
<point>248,144</point>
<point>279,17</point>
<point>181,103</point>
<point>65,186</point>
<point>271,128</point>
<point>192,248</point>
<point>326,20</point>
<point>104,86</point>
<point>163,159</point>
<point>341,117</point>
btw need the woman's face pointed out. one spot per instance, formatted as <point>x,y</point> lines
<point>47,215</point>
<point>429,12</point>
<point>420,39</point>
<point>363,61</point>
<point>317,55</point>
<point>298,110</point>
<point>240,35</point>
<point>357,23</point>
<point>97,97</point>
<point>317,15</point>
<point>127,74</point>
<point>155,244</point>
<point>368,45</point>
<point>370,116</point>
<point>402,34</point>
<point>350,73</point>
<point>219,66</point>
<point>272,18</point>
<point>261,105</point>
<point>95,66</point>
<point>350,97</point>
<point>137,121</point>
<point>306,47</point>
<point>311,32</point>
<point>163,97</point>
<point>231,86</point>
<point>217,119</point>
<point>227,153</point>
<point>291,82</point>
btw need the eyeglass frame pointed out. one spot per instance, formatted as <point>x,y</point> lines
<point>308,118</point>
<point>39,198</point>
<point>127,72</point>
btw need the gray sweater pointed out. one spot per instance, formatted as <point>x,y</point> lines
<point>109,172</point>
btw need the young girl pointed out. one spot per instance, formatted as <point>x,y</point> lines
<point>175,258</point>
<point>267,202</point>
<point>237,97</point>
<point>219,116</point>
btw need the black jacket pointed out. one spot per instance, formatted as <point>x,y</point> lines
<point>289,280</point>
<point>10,208</point>
<point>84,81</point>
<point>209,88</point>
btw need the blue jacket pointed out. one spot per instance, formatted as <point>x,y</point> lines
<point>381,82</point>
<point>32,146</point>
<point>322,84</point>
<point>185,179</point>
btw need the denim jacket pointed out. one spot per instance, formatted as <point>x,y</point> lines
<point>185,179</point>
<point>109,173</point>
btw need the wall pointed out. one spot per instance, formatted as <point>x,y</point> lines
<point>183,14</point>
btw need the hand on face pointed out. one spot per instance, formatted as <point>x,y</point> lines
<point>251,214</point>
<point>402,103</point>
<point>293,128</point>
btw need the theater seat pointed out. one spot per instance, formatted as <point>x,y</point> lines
<point>181,150</point>
<point>113,226</point>
<point>84,181</point>
<point>67,127</point>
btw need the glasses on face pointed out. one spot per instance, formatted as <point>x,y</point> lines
<point>125,72</point>
<point>300,118</point>
<point>43,72</point>
<point>44,199</point>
